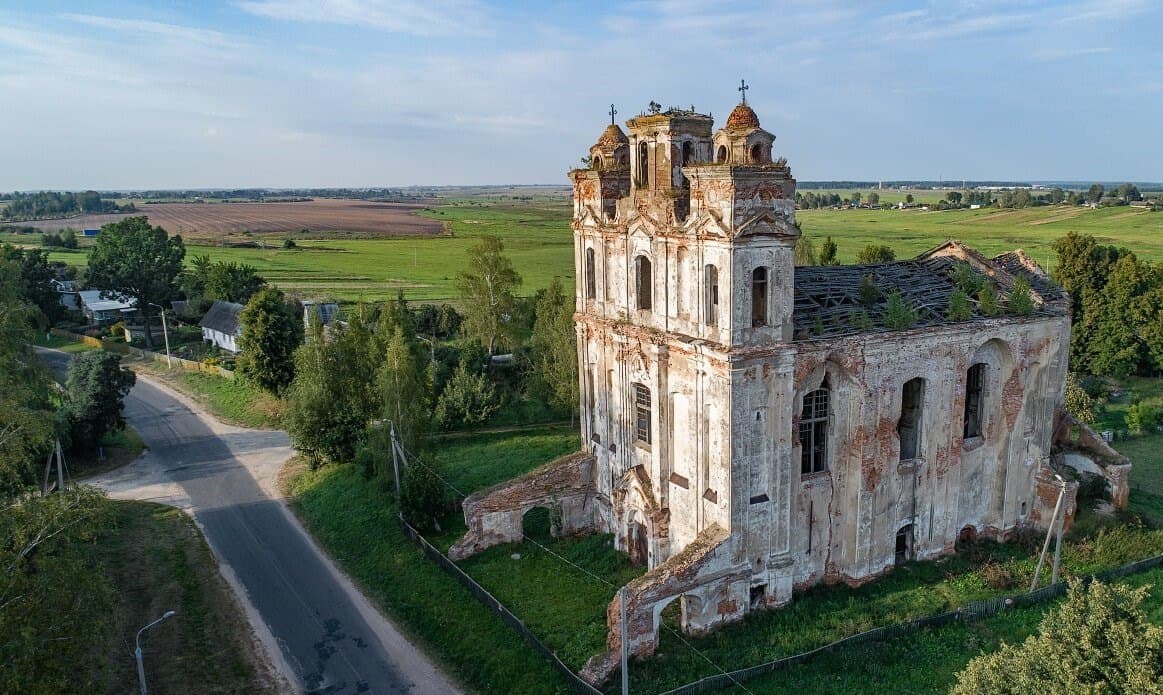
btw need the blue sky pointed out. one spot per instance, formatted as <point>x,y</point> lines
<point>397,92</point>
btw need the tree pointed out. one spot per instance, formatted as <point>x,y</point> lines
<point>1099,640</point>
<point>26,429</point>
<point>874,198</point>
<point>404,390</point>
<point>135,260</point>
<point>1111,325</point>
<point>1077,401</point>
<point>1057,195</point>
<point>856,198</point>
<point>805,252</point>
<point>271,330</point>
<point>1020,301</point>
<point>35,278</point>
<point>875,253</point>
<point>1128,192</point>
<point>321,421</point>
<point>1094,195</point>
<point>899,314</point>
<point>424,498</point>
<point>959,307</point>
<point>486,293</point>
<point>1141,417</point>
<point>954,197</point>
<point>828,252</point>
<point>987,302</point>
<point>232,282</point>
<point>909,199</point>
<point>468,398</point>
<point>555,347</point>
<point>94,401</point>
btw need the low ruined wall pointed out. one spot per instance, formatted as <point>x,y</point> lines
<point>494,516</point>
<point>1073,436</point>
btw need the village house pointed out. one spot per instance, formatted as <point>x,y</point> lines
<point>221,326</point>
<point>751,428</point>
<point>102,307</point>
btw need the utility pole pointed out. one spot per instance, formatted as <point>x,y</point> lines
<point>54,454</point>
<point>395,459</point>
<point>1058,540</point>
<point>165,333</point>
<point>1049,534</point>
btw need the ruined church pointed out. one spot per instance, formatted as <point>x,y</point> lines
<point>751,428</point>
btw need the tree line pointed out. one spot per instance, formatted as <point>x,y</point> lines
<point>51,204</point>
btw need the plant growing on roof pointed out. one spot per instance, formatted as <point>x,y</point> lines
<point>898,312</point>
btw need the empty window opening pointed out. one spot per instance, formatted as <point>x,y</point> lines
<point>757,154</point>
<point>904,544</point>
<point>721,154</point>
<point>643,168</point>
<point>641,413</point>
<point>758,596</point>
<point>759,297</point>
<point>537,523</point>
<point>607,254</point>
<point>711,278</point>
<point>643,282</point>
<point>909,426</point>
<point>638,542</point>
<point>591,276</point>
<point>974,392</point>
<point>687,153</point>
<point>1023,508</point>
<point>597,161</point>
<point>814,431</point>
<point>967,536</point>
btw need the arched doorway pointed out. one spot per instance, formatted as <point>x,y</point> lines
<point>638,543</point>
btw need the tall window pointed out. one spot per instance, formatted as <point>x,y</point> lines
<point>591,276</point>
<point>711,279</point>
<point>607,254</point>
<point>643,166</point>
<point>909,426</point>
<point>721,155</point>
<point>643,282</point>
<point>974,391</point>
<point>687,153</point>
<point>759,297</point>
<point>641,413</point>
<point>814,431</point>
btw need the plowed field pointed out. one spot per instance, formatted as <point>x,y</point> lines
<point>352,217</point>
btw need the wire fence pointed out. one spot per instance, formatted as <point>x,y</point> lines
<point>972,612</point>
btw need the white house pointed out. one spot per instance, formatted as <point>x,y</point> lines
<point>103,307</point>
<point>220,325</point>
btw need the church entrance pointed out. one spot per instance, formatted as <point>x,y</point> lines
<point>904,544</point>
<point>637,543</point>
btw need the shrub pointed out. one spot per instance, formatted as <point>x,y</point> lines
<point>997,576</point>
<point>959,306</point>
<point>1021,302</point>
<point>1141,418</point>
<point>898,312</point>
<point>1077,401</point>
<point>987,300</point>
<point>424,499</point>
<point>875,253</point>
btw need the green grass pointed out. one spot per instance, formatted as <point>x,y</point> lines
<point>479,461</point>
<point>232,400</point>
<point>59,343</point>
<point>927,661</point>
<point>1145,451</point>
<point>158,560</point>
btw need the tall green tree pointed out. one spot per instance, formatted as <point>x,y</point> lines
<point>555,347</point>
<point>405,390</point>
<point>1113,319</point>
<point>875,253</point>
<point>26,427</point>
<point>1094,195</point>
<point>805,252</point>
<point>233,282</point>
<point>94,401</point>
<point>135,260</point>
<point>1099,640</point>
<point>828,252</point>
<point>486,293</point>
<point>271,331</point>
<point>35,278</point>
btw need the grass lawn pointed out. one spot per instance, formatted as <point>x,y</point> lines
<point>59,343</point>
<point>1145,451</point>
<point>119,448</point>
<point>158,561</point>
<point>231,400</point>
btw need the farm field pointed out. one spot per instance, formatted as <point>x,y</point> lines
<point>538,238</point>
<point>217,220</point>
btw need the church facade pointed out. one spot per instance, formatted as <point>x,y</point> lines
<point>750,427</point>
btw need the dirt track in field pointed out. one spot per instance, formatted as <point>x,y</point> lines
<point>359,217</point>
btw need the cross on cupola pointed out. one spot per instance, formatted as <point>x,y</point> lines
<point>613,112</point>
<point>743,89</point>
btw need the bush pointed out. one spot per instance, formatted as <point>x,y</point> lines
<point>875,253</point>
<point>898,313</point>
<point>959,306</point>
<point>1142,418</point>
<point>424,498</point>
<point>469,398</point>
<point>1021,302</point>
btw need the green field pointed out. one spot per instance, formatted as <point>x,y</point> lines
<point>538,238</point>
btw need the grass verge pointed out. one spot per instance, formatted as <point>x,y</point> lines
<point>159,561</point>
<point>119,448</point>
<point>233,401</point>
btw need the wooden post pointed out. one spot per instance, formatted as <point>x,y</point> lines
<point>625,644</point>
<point>1049,534</point>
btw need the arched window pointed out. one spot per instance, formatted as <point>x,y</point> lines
<point>813,431</point>
<point>904,544</point>
<point>643,282</point>
<point>908,428</point>
<point>974,397</point>
<point>759,297</point>
<point>757,154</point>
<point>721,155</point>
<point>643,167</point>
<point>711,295</point>
<point>597,161</point>
<point>591,276</point>
<point>687,153</point>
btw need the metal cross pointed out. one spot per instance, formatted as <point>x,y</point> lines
<point>743,89</point>
<point>613,112</point>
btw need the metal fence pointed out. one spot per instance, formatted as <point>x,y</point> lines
<point>482,594</point>
<point>123,349</point>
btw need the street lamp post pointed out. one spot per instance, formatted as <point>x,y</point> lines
<point>431,357</point>
<point>137,652</point>
<point>165,332</point>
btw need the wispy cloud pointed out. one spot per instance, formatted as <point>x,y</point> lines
<point>418,17</point>
<point>176,32</point>
<point>1066,53</point>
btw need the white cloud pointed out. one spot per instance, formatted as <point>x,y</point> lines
<point>140,26</point>
<point>419,17</point>
<point>1065,53</point>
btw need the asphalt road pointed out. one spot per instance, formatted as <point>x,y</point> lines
<point>332,640</point>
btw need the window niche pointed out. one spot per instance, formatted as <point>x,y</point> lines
<point>711,295</point>
<point>591,280</point>
<point>642,414</point>
<point>643,283</point>
<point>759,297</point>
<point>974,399</point>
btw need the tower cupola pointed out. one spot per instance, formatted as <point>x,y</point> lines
<point>741,142</point>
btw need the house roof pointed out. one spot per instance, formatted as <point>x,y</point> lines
<point>223,317</point>
<point>828,301</point>
<point>328,311</point>
<point>111,302</point>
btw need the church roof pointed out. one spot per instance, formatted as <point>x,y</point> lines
<point>612,137</point>
<point>742,118</point>
<point>829,301</point>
